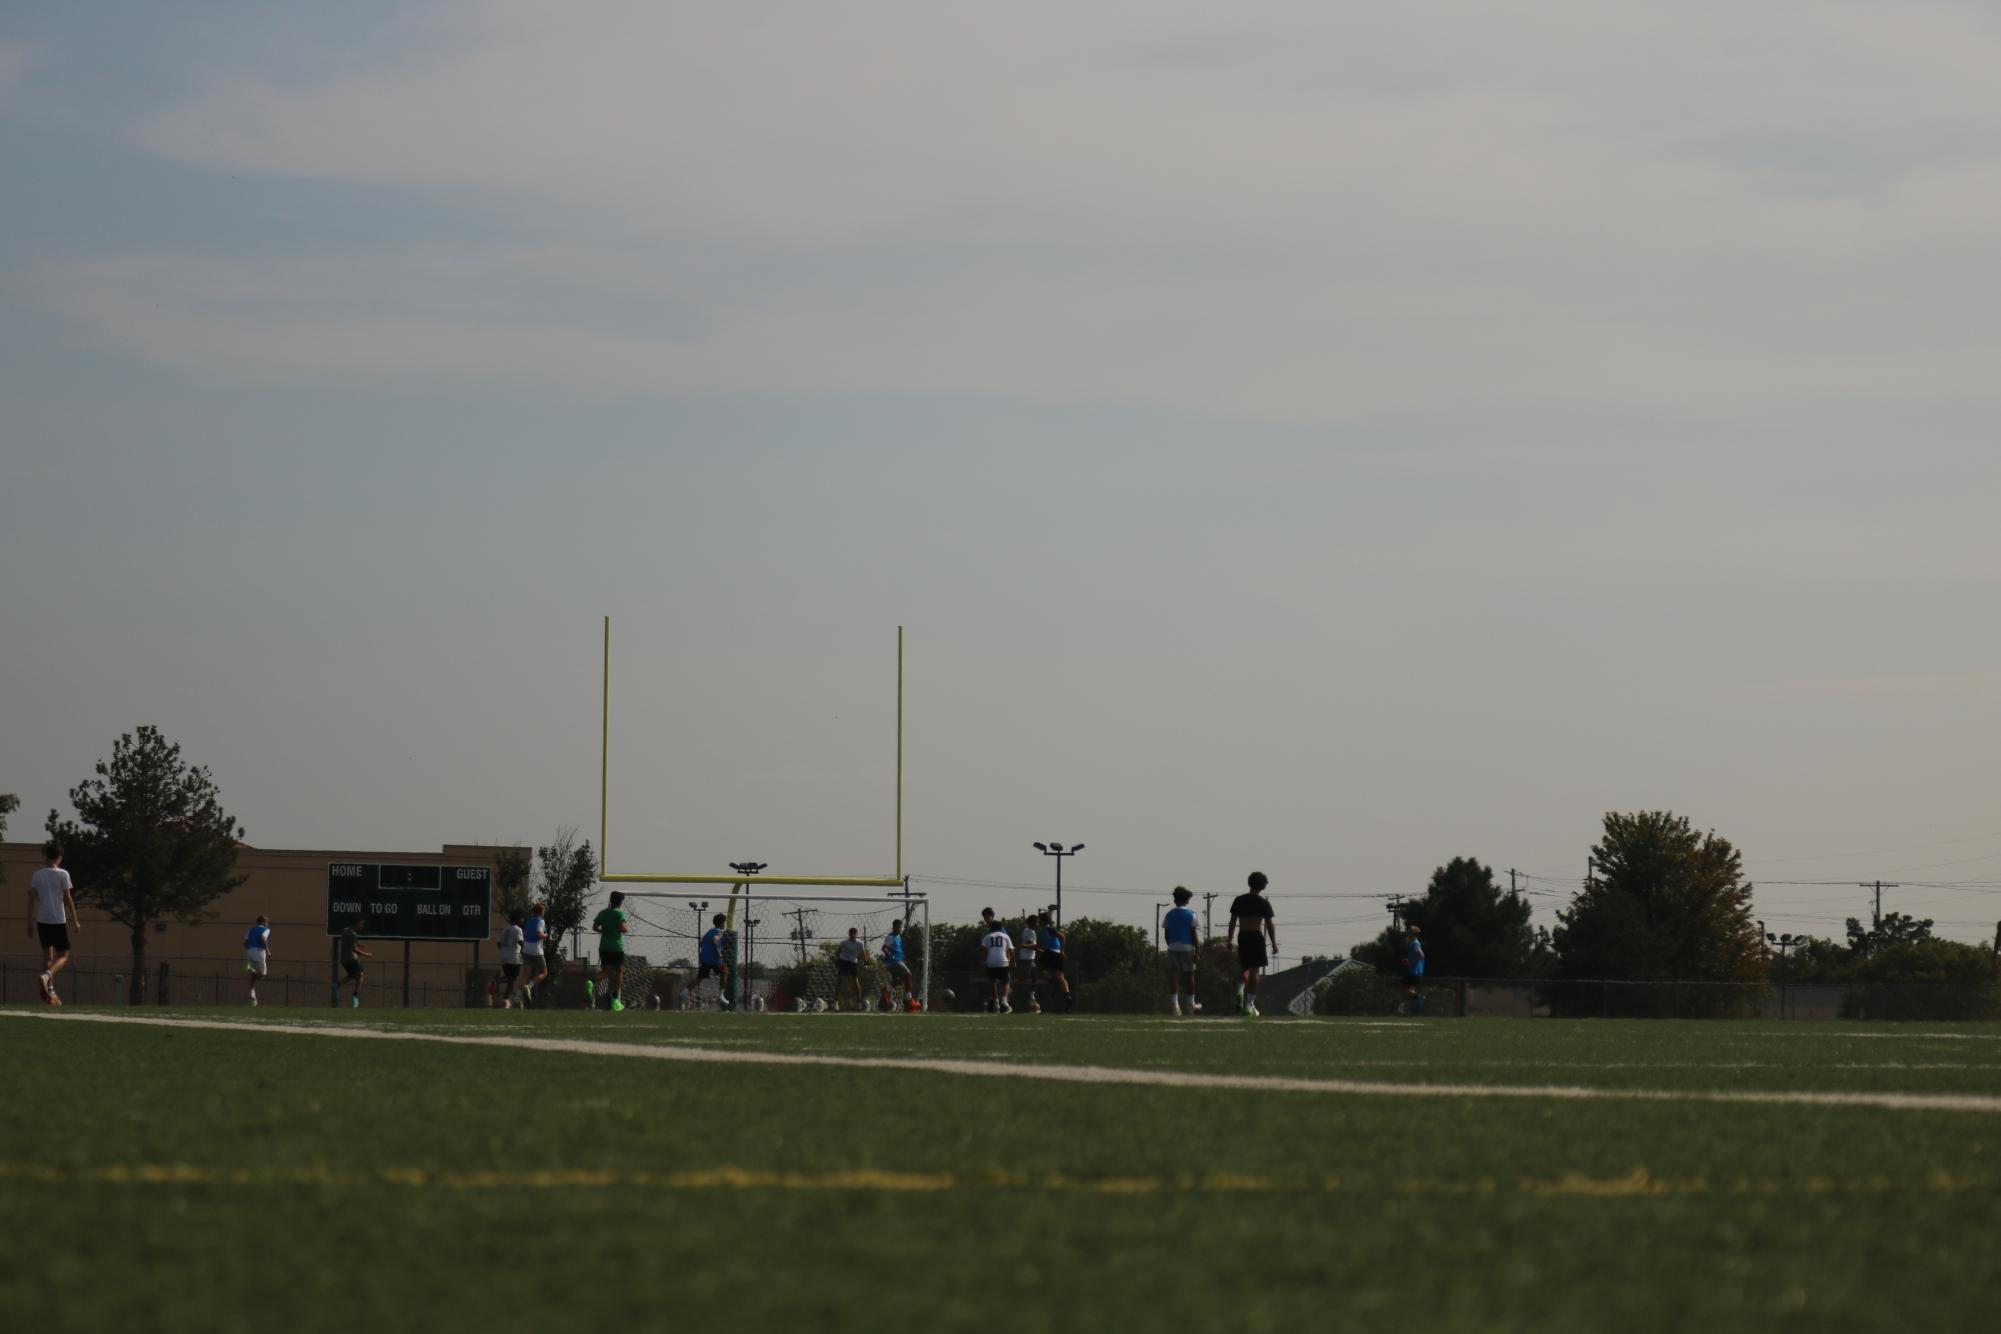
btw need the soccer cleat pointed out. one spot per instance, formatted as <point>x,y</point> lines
<point>617,1005</point>
<point>354,1003</point>
<point>1005,1008</point>
<point>47,990</point>
<point>1251,1010</point>
<point>590,993</point>
<point>253,1000</point>
<point>507,1005</point>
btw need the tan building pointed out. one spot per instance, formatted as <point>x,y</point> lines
<point>204,964</point>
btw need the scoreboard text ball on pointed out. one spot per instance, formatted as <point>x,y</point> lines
<point>404,902</point>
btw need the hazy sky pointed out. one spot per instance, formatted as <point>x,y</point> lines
<point>1321,437</point>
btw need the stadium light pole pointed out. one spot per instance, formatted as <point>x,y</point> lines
<point>1784,943</point>
<point>1059,852</point>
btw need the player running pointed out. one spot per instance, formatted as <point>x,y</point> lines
<point>511,937</point>
<point>257,953</point>
<point>1025,957</point>
<point>610,926</point>
<point>1251,910</point>
<point>849,957</point>
<point>896,966</point>
<point>534,962</point>
<point>1000,966</point>
<point>1182,938</point>
<point>1052,960</point>
<point>351,955</point>
<point>51,911</point>
<point>1413,972</point>
<point>709,962</point>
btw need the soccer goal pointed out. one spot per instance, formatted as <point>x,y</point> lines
<point>781,949</point>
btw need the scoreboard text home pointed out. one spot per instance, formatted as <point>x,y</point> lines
<point>402,902</point>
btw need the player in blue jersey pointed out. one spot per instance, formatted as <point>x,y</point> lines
<point>1052,958</point>
<point>709,962</point>
<point>896,966</point>
<point>1413,972</point>
<point>257,953</point>
<point>1183,937</point>
<point>534,939</point>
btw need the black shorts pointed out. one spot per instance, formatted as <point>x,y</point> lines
<point>54,936</point>
<point>1412,980</point>
<point>847,968</point>
<point>1251,951</point>
<point>352,966</point>
<point>709,970</point>
<point>997,974</point>
<point>611,958</point>
<point>510,971</point>
<point>1049,963</point>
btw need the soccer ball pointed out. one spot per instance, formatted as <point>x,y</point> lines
<point>819,1005</point>
<point>951,995</point>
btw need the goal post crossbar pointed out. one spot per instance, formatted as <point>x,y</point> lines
<point>608,876</point>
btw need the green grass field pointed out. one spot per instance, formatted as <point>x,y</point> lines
<point>220,1179</point>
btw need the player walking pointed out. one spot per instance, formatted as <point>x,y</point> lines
<point>351,955</point>
<point>1025,956</point>
<point>511,937</point>
<point>709,962</point>
<point>894,964</point>
<point>534,962</point>
<point>848,959</point>
<point>610,926</point>
<point>1182,938</point>
<point>257,953</point>
<point>1413,972</point>
<point>1052,960</point>
<point>1000,966</point>
<point>51,911</point>
<point>1252,911</point>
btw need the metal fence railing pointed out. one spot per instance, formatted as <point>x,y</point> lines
<point>176,984</point>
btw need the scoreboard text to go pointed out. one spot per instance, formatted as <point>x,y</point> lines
<point>403,902</point>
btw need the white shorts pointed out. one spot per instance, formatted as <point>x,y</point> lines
<point>254,962</point>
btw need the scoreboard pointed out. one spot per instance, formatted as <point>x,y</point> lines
<point>404,902</point>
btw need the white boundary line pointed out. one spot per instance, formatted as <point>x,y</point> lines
<point>1077,1074</point>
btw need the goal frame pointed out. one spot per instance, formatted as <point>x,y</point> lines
<point>608,876</point>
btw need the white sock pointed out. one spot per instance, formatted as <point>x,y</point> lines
<point>1174,1004</point>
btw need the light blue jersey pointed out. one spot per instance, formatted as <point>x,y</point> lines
<point>712,948</point>
<point>892,947</point>
<point>1413,962</point>
<point>1179,927</point>
<point>257,938</point>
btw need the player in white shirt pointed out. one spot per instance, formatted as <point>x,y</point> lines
<point>1000,965</point>
<point>1025,954</point>
<point>512,938</point>
<point>848,960</point>
<point>51,913</point>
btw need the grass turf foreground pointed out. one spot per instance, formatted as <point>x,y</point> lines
<point>220,1180</point>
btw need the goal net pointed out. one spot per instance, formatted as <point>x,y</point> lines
<point>781,950</point>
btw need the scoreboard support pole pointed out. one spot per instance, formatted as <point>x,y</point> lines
<point>406,974</point>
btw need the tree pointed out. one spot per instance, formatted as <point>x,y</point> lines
<point>510,881</point>
<point>1471,927</point>
<point>1895,929</point>
<point>150,841</point>
<point>569,873</point>
<point>1666,904</point>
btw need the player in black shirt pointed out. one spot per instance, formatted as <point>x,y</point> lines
<point>1253,912</point>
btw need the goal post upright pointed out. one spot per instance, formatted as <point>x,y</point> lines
<point>607,876</point>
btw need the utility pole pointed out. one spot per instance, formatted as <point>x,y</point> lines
<point>1396,910</point>
<point>1511,881</point>
<point>1208,921</point>
<point>798,915</point>
<point>1876,922</point>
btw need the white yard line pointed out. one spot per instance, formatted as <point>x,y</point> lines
<point>1074,1074</point>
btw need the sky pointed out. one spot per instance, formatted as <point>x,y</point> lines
<point>1322,438</point>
